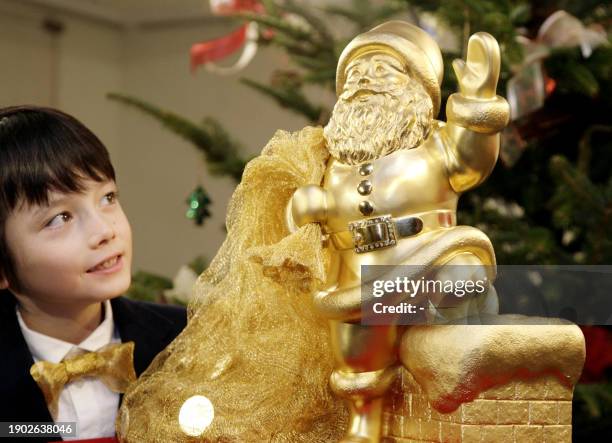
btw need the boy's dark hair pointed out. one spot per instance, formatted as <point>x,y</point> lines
<point>42,150</point>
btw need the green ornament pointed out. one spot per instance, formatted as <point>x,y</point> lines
<point>198,202</point>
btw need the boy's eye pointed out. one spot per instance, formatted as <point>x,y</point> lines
<point>110,198</point>
<point>59,220</point>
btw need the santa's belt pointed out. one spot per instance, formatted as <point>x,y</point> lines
<point>384,231</point>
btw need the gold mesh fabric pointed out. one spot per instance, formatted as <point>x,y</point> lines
<point>253,344</point>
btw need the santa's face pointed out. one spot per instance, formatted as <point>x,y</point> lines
<point>373,74</point>
<point>381,109</point>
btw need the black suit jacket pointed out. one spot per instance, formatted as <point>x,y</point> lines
<point>150,326</point>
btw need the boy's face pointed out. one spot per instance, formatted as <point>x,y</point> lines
<point>76,250</point>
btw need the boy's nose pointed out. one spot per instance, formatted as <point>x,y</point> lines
<point>102,231</point>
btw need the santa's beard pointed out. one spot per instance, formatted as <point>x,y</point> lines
<point>360,131</point>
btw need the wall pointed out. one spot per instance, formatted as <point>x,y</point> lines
<point>156,170</point>
<point>69,71</point>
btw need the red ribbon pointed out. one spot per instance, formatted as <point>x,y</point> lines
<point>219,48</point>
<point>213,50</point>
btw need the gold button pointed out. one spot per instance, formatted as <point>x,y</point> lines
<point>366,208</point>
<point>365,187</point>
<point>366,169</point>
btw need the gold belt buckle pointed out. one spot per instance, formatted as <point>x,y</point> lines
<point>373,233</point>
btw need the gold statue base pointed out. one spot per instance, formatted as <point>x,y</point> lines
<point>524,397</point>
<point>520,411</point>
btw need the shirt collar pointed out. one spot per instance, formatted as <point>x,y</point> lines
<point>44,347</point>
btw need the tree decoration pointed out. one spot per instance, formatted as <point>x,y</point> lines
<point>198,202</point>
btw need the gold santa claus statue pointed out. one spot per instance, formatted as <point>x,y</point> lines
<point>390,190</point>
<point>275,349</point>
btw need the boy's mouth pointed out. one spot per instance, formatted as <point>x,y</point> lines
<point>106,264</point>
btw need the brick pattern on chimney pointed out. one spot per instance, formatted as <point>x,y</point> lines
<point>538,410</point>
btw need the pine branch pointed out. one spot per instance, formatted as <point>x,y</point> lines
<point>584,146</point>
<point>295,46</point>
<point>317,25</point>
<point>581,205</point>
<point>516,239</point>
<point>313,63</point>
<point>364,15</point>
<point>291,98</point>
<point>500,18</point>
<point>149,287</point>
<point>223,159</point>
<point>220,151</point>
<point>596,397</point>
<point>325,76</point>
<point>279,24</point>
<point>578,185</point>
<point>271,8</point>
<point>310,40</point>
<point>348,14</point>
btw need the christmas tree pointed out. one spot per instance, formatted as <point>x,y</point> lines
<point>549,199</point>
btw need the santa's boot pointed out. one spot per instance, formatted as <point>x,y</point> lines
<point>364,393</point>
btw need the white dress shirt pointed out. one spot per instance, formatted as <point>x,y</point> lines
<point>86,401</point>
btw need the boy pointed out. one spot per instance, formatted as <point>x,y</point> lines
<point>65,257</point>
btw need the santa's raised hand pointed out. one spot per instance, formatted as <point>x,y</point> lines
<point>478,74</point>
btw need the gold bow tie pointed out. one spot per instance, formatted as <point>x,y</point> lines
<point>113,364</point>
